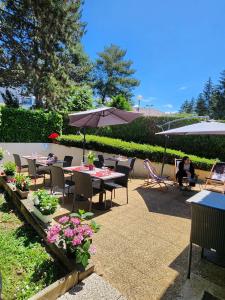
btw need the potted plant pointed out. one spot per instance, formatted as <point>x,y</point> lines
<point>22,183</point>
<point>91,157</point>
<point>9,169</point>
<point>44,205</point>
<point>75,236</point>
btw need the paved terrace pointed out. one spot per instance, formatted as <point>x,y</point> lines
<point>142,247</point>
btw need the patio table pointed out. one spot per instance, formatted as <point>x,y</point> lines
<point>42,160</point>
<point>208,226</point>
<point>97,173</point>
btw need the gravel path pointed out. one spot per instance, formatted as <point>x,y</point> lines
<point>93,287</point>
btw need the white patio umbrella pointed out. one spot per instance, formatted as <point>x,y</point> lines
<point>202,128</point>
<point>100,117</point>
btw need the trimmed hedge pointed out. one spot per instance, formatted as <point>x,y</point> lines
<point>22,125</point>
<point>131,149</point>
<point>143,130</point>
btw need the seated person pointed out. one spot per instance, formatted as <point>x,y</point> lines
<point>52,158</point>
<point>186,169</point>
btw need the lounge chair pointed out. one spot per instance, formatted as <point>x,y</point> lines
<point>217,176</point>
<point>153,178</point>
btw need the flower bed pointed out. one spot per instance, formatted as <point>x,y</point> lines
<point>27,268</point>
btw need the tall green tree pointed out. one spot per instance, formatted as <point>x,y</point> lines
<point>40,48</point>
<point>207,96</point>
<point>113,74</point>
<point>188,107</point>
<point>80,98</point>
<point>120,102</point>
<point>218,99</point>
<point>201,107</point>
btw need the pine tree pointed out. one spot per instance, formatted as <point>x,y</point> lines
<point>188,106</point>
<point>40,48</point>
<point>113,74</point>
<point>201,107</point>
<point>207,95</point>
<point>218,99</point>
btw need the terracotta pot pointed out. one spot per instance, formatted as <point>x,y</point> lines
<point>44,218</point>
<point>23,194</point>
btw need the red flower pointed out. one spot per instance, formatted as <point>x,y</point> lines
<point>53,135</point>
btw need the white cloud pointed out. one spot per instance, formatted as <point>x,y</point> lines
<point>183,88</point>
<point>168,105</point>
<point>171,112</point>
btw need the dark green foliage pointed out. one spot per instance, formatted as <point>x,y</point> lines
<point>80,98</point>
<point>210,102</point>
<point>21,125</point>
<point>10,100</point>
<point>113,74</point>
<point>188,107</point>
<point>120,102</point>
<point>40,48</point>
<point>201,107</point>
<point>131,149</point>
<point>143,130</point>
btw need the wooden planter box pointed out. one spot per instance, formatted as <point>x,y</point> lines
<point>23,194</point>
<point>44,218</point>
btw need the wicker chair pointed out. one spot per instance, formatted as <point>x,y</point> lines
<point>67,161</point>
<point>59,182</point>
<point>121,182</point>
<point>84,187</point>
<point>18,163</point>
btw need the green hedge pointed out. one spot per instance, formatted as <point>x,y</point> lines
<point>143,130</point>
<point>22,125</point>
<point>131,149</point>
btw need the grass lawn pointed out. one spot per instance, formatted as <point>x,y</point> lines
<point>25,265</point>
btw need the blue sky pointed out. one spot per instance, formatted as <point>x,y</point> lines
<point>175,44</point>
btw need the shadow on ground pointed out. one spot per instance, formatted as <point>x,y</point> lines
<point>170,202</point>
<point>210,277</point>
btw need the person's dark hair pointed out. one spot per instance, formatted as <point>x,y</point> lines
<point>50,155</point>
<point>184,158</point>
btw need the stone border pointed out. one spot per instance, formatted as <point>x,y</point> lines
<point>63,285</point>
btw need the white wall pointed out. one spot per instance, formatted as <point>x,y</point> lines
<point>60,151</point>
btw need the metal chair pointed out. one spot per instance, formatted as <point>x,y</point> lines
<point>98,164</point>
<point>121,182</point>
<point>153,178</point>
<point>67,161</point>
<point>35,172</point>
<point>84,187</point>
<point>132,162</point>
<point>59,182</point>
<point>18,163</point>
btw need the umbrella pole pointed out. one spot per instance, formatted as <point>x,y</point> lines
<point>84,143</point>
<point>164,153</point>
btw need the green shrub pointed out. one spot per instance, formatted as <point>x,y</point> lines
<point>9,168</point>
<point>131,149</point>
<point>46,203</point>
<point>143,130</point>
<point>22,125</point>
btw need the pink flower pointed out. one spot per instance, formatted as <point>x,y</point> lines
<point>92,250</point>
<point>64,220</point>
<point>76,241</point>
<point>75,221</point>
<point>69,232</point>
<point>52,238</point>
<point>89,232</point>
<point>55,229</point>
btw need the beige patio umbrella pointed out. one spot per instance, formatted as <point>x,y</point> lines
<point>100,117</point>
